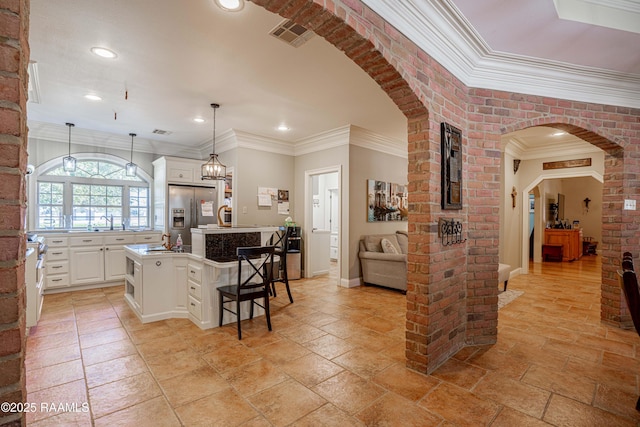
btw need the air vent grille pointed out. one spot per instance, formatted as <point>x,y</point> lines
<point>161,132</point>
<point>291,33</point>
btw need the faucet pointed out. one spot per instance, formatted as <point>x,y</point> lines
<point>168,244</point>
<point>109,220</point>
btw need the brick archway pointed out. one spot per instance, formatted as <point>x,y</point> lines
<point>351,29</point>
<point>612,307</point>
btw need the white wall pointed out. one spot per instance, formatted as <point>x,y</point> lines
<point>575,191</point>
<point>261,169</point>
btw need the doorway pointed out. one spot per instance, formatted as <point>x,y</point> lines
<point>322,216</point>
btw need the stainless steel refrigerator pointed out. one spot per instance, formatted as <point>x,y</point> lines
<point>190,207</point>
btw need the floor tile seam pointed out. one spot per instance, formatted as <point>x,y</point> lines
<point>149,371</point>
<point>84,370</point>
<point>248,397</point>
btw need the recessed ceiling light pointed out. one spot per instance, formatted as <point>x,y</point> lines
<point>104,52</point>
<point>558,133</point>
<point>93,97</point>
<point>198,120</point>
<point>283,128</point>
<point>230,5</point>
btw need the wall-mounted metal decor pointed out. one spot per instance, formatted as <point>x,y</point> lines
<point>451,148</point>
<point>450,231</point>
<point>386,201</point>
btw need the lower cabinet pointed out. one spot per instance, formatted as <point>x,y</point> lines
<point>88,265</point>
<point>156,286</point>
<point>89,259</point>
<point>194,283</point>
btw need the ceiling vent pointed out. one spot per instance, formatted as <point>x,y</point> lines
<point>291,33</point>
<point>161,132</point>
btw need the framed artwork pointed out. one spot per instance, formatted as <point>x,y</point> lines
<point>451,149</point>
<point>386,201</point>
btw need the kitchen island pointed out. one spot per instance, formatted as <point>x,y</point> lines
<point>163,284</point>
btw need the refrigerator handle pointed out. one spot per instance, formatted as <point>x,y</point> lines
<point>194,214</point>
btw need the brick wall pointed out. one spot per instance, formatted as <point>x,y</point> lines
<point>14,57</point>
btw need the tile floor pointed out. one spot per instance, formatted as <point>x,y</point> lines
<point>335,358</point>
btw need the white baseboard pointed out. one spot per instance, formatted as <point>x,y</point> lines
<point>350,283</point>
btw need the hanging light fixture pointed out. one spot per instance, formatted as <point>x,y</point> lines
<point>213,169</point>
<point>69,163</point>
<point>131,167</point>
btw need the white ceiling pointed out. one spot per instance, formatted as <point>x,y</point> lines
<point>174,61</point>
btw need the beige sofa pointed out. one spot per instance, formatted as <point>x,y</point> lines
<point>380,265</point>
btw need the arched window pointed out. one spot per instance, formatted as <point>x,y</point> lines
<point>88,198</point>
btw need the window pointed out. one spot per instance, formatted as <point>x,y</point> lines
<point>50,205</point>
<point>89,197</point>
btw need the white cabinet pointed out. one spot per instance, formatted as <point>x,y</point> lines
<point>57,263</point>
<point>333,246</point>
<point>156,285</point>
<point>180,281</point>
<point>114,257</point>
<point>88,265</point>
<point>181,171</point>
<point>194,274</point>
<point>89,259</point>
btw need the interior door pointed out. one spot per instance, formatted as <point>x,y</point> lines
<point>324,208</point>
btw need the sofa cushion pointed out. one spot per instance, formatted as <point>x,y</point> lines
<point>387,246</point>
<point>403,241</point>
<point>372,242</point>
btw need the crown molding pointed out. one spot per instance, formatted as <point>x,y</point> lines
<point>228,140</point>
<point>53,132</point>
<point>517,148</point>
<point>366,139</point>
<point>261,143</point>
<point>323,141</point>
<point>440,29</point>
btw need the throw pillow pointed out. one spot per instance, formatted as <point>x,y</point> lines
<point>388,247</point>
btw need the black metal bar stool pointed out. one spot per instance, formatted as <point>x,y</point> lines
<point>280,239</point>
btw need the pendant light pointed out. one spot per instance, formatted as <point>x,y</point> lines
<point>131,167</point>
<point>69,163</point>
<point>213,169</point>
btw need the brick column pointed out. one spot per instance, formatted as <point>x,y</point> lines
<point>14,59</point>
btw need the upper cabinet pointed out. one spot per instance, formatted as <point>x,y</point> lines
<point>176,170</point>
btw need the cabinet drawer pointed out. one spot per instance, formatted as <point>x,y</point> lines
<point>195,307</point>
<point>180,173</point>
<point>57,267</point>
<point>194,272</point>
<point>56,241</point>
<point>87,241</point>
<point>148,238</point>
<point>57,281</point>
<point>54,254</point>
<point>195,290</point>
<point>333,253</point>
<point>333,240</point>
<point>123,239</point>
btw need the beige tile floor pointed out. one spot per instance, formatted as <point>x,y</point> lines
<point>335,358</point>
